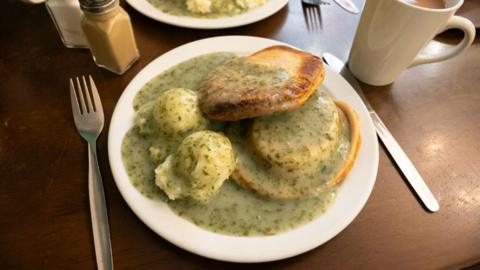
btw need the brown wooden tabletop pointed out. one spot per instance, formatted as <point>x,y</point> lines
<point>433,110</point>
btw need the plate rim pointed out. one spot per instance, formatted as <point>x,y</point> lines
<point>251,16</point>
<point>116,165</point>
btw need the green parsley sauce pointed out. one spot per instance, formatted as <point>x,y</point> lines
<point>233,210</point>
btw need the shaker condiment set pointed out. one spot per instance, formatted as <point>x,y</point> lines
<point>101,25</point>
<point>109,32</point>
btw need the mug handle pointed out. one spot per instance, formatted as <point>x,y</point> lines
<point>469,34</point>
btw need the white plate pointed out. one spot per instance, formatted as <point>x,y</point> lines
<point>251,16</point>
<point>351,197</point>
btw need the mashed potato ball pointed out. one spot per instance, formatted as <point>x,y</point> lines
<point>202,162</point>
<point>177,111</point>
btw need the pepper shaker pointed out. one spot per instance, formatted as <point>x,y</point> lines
<point>109,32</point>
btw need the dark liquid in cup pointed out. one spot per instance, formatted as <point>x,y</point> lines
<point>427,3</point>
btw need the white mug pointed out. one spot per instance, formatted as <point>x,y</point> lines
<point>391,33</point>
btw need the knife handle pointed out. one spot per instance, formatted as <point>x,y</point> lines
<point>406,166</point>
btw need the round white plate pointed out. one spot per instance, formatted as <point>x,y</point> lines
<point>351,197</point>
<point>251,16</point>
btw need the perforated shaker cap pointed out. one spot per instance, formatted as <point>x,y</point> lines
<point>97,6</point>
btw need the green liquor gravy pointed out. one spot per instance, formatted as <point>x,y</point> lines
<point>234,210</point>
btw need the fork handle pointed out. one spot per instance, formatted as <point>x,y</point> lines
<point>98,212</point>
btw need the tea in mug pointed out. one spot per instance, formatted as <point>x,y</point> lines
<point>427,3</point>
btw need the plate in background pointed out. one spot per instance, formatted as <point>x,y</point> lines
<point>251,16</point>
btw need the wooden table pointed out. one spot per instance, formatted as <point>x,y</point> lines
<point>432,110</point>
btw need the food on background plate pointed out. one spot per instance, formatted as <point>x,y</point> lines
<point>283,165</point>
<point>206,8</point>
<point>275,79</point>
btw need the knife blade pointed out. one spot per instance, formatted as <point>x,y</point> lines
<point>399,156</point>
<point>348,5</point>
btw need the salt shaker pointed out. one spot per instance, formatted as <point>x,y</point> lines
<point>66,15</point>
<point>109,33</point>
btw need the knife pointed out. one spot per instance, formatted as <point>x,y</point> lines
<point>348,5</point>
<point>401,159</point>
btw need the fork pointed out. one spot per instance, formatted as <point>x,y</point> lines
<point>312,13</point>
<point>88,116</point>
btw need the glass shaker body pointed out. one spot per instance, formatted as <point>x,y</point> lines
<point>66,15</point>
<point>111,39</point>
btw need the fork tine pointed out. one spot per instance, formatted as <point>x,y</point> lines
<point>80,97</point>
<point>308,18</point>
<point>88,99</point>
<point>319,16</point>
<point>73,100</point>
<point>306,15</point>
<point>313,18</point>
<point>304,10</point>
<point>96,98</point>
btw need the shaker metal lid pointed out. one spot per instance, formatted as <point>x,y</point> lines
<point>97,6</point>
